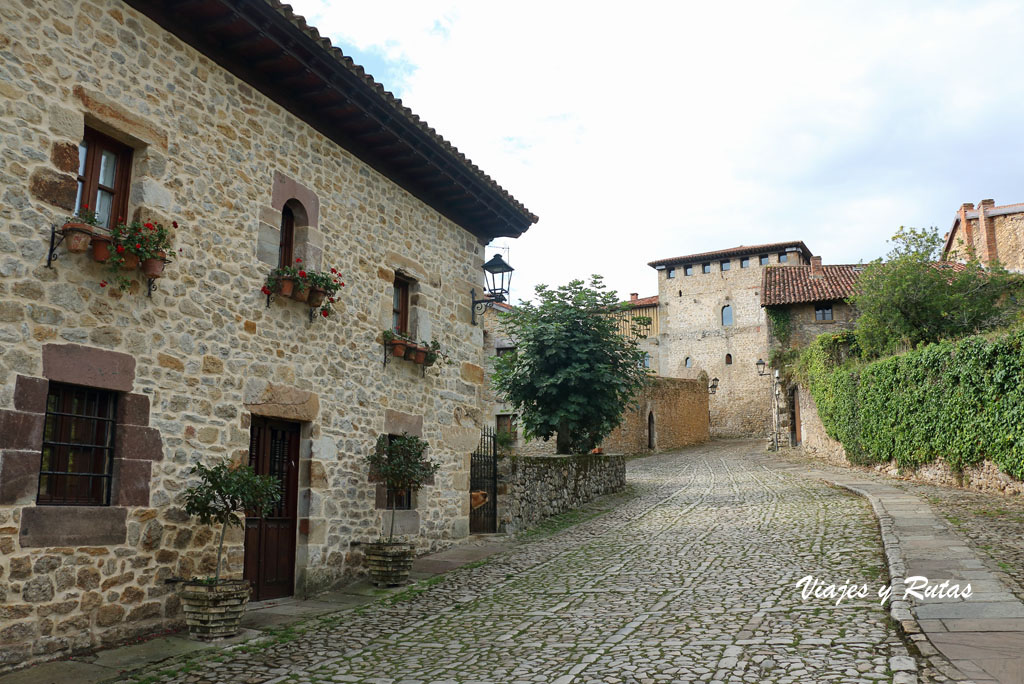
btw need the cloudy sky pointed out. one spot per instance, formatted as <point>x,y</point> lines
<point>660,129</point>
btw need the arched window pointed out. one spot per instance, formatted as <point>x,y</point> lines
<point>727,315</point>
<point>728,359</point>
<point>293,215</point>
<point>689,362</point>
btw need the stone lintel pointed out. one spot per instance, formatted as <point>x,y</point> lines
<point>89,366</point>
<point>73,526</point>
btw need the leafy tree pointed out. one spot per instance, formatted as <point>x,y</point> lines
<point>572,373</point>
<point>402,465</point>
<point>911,297</point>
<point>222,491</point>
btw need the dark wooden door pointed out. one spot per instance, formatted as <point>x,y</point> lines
<point>794,403</point>
<point>270,540</point>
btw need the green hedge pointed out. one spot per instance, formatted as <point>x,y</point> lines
<point>961,401</point>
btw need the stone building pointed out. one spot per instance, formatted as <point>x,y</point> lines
<point>712,323</point>
<point>992,233</point>
<point>802,303</point>
<point>264,143</point>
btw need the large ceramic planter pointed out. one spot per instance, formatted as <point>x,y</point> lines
<point>77,236</point>
<point>389,564</point>
<point>214,611</point>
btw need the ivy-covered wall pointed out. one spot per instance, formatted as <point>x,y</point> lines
<point>959,401</point>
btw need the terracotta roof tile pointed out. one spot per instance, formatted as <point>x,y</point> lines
<point>796,284</point>
<point>644,301</point>
<point>733,251</point>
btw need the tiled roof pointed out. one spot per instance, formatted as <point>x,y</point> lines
<point>731,252</point>
<point>795,284</point>
<point>311,31</point>
<point>644,301</point>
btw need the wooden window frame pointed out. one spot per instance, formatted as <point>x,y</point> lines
<point>820,313</point>
<point>728,359</point>
<point>400,306</point>
<point>286,248</point>
<point>95,143</point>
<point>62,422</point>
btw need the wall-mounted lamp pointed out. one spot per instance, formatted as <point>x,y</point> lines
<point>760,366</point>
<point>713,387</point>
<point>498,278</point>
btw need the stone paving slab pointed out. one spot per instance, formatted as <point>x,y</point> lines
<point>692,577</point>
<point>981,636</point>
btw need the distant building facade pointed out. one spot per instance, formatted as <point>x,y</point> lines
<point>712,322</point>
<point>992,233</point>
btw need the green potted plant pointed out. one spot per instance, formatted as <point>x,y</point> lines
<point>154,248</point>
<point>434,353</point>
<point>213,606</point>
<point>402,466</point>
<point>323,286</point>
<point>78,229</point>
<point>281,281</point>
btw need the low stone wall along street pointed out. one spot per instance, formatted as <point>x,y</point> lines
<point>536,487</point>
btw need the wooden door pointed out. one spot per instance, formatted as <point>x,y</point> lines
<point>270,540</point>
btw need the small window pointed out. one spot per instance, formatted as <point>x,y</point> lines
<point>104,174</point>
<point>763,259</point>
<point>286,249</point>
<point>501,351</point>
<point>724,265</point>
<point>689,362</point>
<point>646,361</point>
<point>783,257</point>
<point>400,306</point>
<point>506,424</point>
<point>688,270</point>
<point>670,272</point>
<point>705,268</point>
<point>745,262</point>
<point>727,315</point>
<point>78,446</point>
<point>728,359</point>
<point>823,313</point>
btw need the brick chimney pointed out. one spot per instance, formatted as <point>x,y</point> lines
<point>987,232</point>
<point>633,296</point>
<point>816,270</point>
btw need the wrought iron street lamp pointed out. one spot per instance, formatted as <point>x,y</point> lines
<point>498,279</point>
<point>713,387</point>
<point>760,366</point>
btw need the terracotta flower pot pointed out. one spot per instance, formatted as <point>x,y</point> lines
<point>130,261</point>
<point>154,268</point>
<point>77,237</point>
<point>398,348</point>
<point>420,356</point>
<point>285,287</point>
<point>410,351</point>
<point>316,296</point>
<point>100,247</point>
<point>300,294</point>
<point>214,611</point>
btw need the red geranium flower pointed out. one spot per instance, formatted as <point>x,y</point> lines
<point>302,274</point>
<point>265,290</point>
<point>331,299</point>
<point>298,261</point>
<point>150,226</point>
<point>120,249</point>
<point>334,270</point>
<point>138,245</point>
<point>174,223</point>
<point>85,206</point>
<point>103,283</point>
<point>323,312</point>
<point>343,284</point>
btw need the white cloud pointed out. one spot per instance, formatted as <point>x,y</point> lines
<point>667,128</point>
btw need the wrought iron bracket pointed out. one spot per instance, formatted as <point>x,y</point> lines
<point>312,313</point>
<point>151,286</point>
<point>55,241</point>
<point>387,355</point>
<point>270,298</point>
<point>479,306</point>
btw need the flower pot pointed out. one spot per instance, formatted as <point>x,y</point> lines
<point>129,262</point>
<point>316,296</point>
<point>389,564</point>
<point>77,237</point>
<point>300,294</point>
<point>398,348</point>
<point>214,611</point>
<point>100,247</point>
<point>420,356</point>
<point>285,287</point>
<point>153,268</point>
<point>410,351</point>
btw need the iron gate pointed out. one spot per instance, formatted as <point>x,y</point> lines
<point>483,477</point>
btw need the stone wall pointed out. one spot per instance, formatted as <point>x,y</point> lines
<point>680,411</point>
<point>993,233</point>
<point>533,488</point>
<point>804,328</point>
<point>207,352</point>
<point>691,327</point>
<point>982,477</point>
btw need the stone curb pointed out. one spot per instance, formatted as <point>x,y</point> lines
<point>900,611</point>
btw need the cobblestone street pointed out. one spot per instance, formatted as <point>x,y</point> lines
<point>691,577</point>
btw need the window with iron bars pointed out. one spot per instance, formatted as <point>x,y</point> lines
<point>78,446</point>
